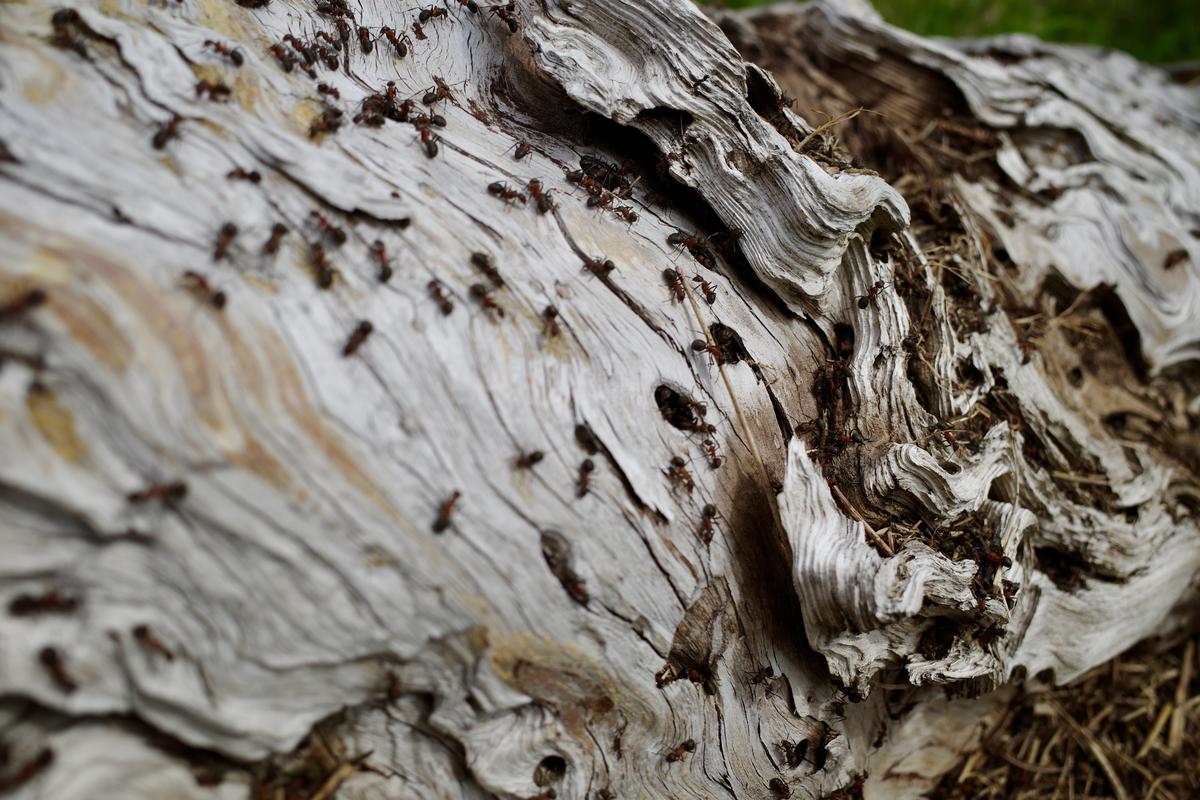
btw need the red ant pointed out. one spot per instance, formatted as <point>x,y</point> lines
<point>433,12</point>
<point>51,602</point>
<point>598,267</point>
<point>343,31</point>
<point>439,294</point>
<point>521,150</point>
<point>364,40</point>
<point>528,460</point>
<point>686,746</point>
<point>600,200</point>
<point>31,299</point>
<point>507,13</point>
<point>52,659</point>
<point>335,234</point>
<point>357,337</point>
<point>505,192</point>
<point>540,196</point>
<point>385,269</point>
<point>714,456</point>
<point>470,4</point>
<point>679,475</point>
<point>286,60</point>
<point>399,41</point>
<point>166,492</point>
<point>626,213</point>
<point>198,285</point>
<point>793,753</point>
<point>233,54</point>
<point>481,293</point>
<point>702,346</point>
<point>444,511</point>
<point>586,468</point>
<point>706,288</point>
<point>328,122</point>
<point>779,788</point>
<point>872,292</point>
<point>664,163</point>
<point>215,91</point>
<point>224,239</point>
<point>483,262</point>
<point>675,284</point>
<point>149,640</point>
<point>278,231</point>
<point>550,319</point>
<point>168,131</point>
<point>324,270</point>
<point>440,92</point>
<point>244,175</point>
<point>706,523</point>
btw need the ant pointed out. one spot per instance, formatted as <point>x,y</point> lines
<point>706,288</point>
<point>603,200</point>
<point>149,640</point>
<point>675,284</point>
<point>52,659</point>
<point>550,319</point>
<point>483,262</point>
<point>360,334</point>
<point>343,28</point>
<point>166,492</point>
<point>224,239</point>
<point>444,511</point>
<point>793,752</point>
<point>286,60</point>
<point>528,460</point>
<point>714,456</point>
<point>244,175</point>
<point>278,231</point>
<point>686,746</point>
<point>507,13</point>
<point>440,92</point>
<point>329,121</point>
<point>481,293</point>
<point>364,40</point>
<point>168,131</point>
<point>324,270</point>
<point>385,269</point>
<point>398,41</point>
<point>521,150</point>
<point>470,5</point>
<point>664,163</point>
<point>679,475</point>
<point>329,91</point>
<point>702,346</point>
<point>762,675</point>
<point>598,267</point>
<point>626,213</point>
<point>872,292</point>
<point>585,477</point>
<point>335,234</point>
<point>31,299</point>
<point>232,53</point>
<point>541,196</point>
<point>439,294</point>
<point>66,22</point>
<point>433,12</point>
<point>779,788</point>
<point>505,192</point>
<point>215,91</point>
<point>709,515</point>
<point>430,143</point>
<point>51,602</point>
<point>198,285</point>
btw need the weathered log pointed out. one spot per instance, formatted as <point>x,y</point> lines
<point>531,399</point>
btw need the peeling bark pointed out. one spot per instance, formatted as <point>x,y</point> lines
<point>738,450</point>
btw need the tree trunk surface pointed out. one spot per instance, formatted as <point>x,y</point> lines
<point>832,383</point>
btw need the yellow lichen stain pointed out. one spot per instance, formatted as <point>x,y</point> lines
<point>302,117</point>
<point>215,14</point>
<point>245,90</point>
<point>55,422</point>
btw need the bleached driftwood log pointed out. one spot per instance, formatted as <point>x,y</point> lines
<point>389,519</point>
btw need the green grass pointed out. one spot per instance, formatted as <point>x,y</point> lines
<point>1158,31</point>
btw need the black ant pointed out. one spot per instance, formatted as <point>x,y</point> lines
<point>335,234</point>
<point>168,131</point>
<point>481,293</point>
<point>586,468</point>
<point>505,192</point>
<point>364,40</point>
<point>278,231</point>
<point>483,262</point>
<point>398,41</point>
<point>709,516</point>
<point>528,460</point>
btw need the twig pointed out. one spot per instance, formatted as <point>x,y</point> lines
<point>870,531</point>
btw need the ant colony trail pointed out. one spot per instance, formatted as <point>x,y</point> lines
<point>575,399</point>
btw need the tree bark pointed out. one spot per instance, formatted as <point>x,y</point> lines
<point>763,447</point>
